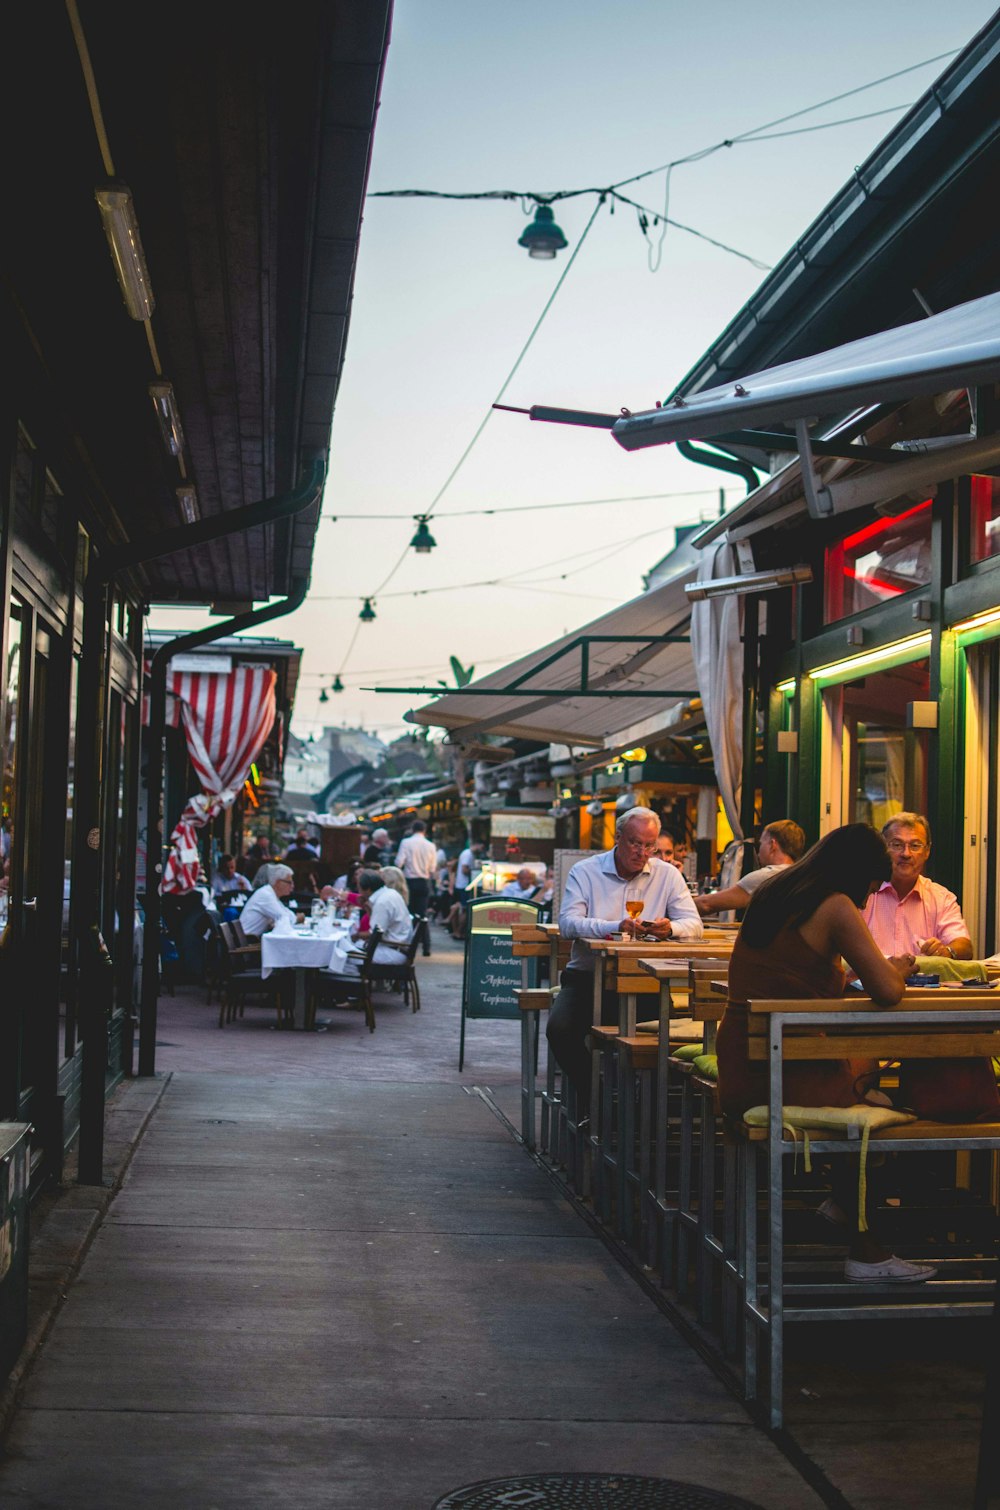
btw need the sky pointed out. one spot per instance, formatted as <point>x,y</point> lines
<point>545,95</point>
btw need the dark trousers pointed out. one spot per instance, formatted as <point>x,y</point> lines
<point>571,1018</point>
<point>420,894</point>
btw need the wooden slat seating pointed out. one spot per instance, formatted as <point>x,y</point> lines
<point>558,1126</point>
<point>242,984</point>
<point>329,989</point>
<point>926,1025</point>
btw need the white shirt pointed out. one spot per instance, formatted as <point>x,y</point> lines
<point>390,913</point>
<point>512,889</point>
<point>467,864</point>
<point>262,911</point>
<point>593,903</point>
<point>755,878</point>
<point>417,858</point>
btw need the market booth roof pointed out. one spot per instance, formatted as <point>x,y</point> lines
<point>582,689</point>
<point>959,348</point>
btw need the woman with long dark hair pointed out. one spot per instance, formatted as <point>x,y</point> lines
<point>798,927</point>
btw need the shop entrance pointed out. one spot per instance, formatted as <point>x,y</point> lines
<point>874,765</point>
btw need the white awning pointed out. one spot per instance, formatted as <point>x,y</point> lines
<point>959,348</point>
<point>639,652</point>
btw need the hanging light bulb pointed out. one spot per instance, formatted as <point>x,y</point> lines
<point>367,613</point>
<point>323,697</point>
<point>338,685</point>
<point>423,541</point>
<point>543,238</point>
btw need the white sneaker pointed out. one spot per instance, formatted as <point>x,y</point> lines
<point>898,1270</point>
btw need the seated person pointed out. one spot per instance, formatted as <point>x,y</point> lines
<point>392,876</point>
<point>301,849</point>
<point>385,909</point>
<point>523,886</point>
<point>227,878</point>
<point>910,914</point>
<point>781,844</point>
<point>796,931</point>
<point>266,904</point>
<point>593,907</point>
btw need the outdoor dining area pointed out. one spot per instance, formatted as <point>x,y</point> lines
<point>731,1215</point>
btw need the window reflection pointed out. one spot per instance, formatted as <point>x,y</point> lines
<point>886,558</point>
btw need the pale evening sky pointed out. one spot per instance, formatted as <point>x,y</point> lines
<point>545,95</point>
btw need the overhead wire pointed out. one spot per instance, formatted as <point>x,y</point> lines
<point>537,508</point>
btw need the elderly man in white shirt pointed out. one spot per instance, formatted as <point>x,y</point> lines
<point>267,902</point>
<point>593,907</point>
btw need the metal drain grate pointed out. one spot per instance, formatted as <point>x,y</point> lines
<point>588,1491</point>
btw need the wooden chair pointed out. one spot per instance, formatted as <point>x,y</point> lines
<point>405,973</point>
<point>926,1025</point>
<point>330,989</point>
<point>242,983</point>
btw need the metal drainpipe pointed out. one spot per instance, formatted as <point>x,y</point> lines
<point>93,968</point>
<point>705,458</point>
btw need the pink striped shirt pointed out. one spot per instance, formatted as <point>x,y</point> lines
<point>928,911</point>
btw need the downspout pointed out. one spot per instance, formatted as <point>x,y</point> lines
<point>93,963</point>
<point>706,458</point>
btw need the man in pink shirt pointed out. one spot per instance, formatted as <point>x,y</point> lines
<point>910,914</point>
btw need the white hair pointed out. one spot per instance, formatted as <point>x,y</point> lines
<point>632,813</point>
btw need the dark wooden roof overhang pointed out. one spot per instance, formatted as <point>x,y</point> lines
<point>244,133</point>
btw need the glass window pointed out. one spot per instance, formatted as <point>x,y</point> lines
<point>888,761</point>
<point>878,562</point>
<point>985,494</point>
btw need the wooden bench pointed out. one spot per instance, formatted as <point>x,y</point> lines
<point>928,1024</point>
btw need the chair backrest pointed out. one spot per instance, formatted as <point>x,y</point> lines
<point>372,941</point>
<point>416,939</point>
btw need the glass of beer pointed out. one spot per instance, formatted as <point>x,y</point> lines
<point>634,905</point>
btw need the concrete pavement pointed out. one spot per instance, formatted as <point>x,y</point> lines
<point>332,1279</point>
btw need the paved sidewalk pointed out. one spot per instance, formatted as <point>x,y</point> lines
<point>332,1279</point>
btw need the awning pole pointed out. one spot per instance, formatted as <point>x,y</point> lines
<point>751,614</point>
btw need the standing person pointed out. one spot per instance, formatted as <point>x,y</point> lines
<point>781,844</point>
<point>379,851</point>
<point>796,931</point>
<point>909,913</point>
<point>467,869</point>
<point>417,858</point>
<point>593,907</point>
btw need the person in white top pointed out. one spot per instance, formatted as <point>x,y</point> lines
<point>594,906</point>
<point>467,870</point>
<point>267,902</point>
<point>417,858</point>
<point>388,912</point>
<point>781,843</point>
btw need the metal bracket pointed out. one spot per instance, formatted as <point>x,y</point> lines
<point>818,499</point>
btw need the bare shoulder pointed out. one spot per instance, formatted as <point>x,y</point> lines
<point>837,910</point>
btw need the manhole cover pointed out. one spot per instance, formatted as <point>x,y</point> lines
<point>588,1491</point>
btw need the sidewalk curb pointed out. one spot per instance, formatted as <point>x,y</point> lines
<point>66,1221</point>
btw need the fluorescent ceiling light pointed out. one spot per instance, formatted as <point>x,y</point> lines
<point>902,649</point>
<point>187,502</point>
<point>168,415</point>
<point>753,581</point>
<point>122,230</point>
<point>786,687</point>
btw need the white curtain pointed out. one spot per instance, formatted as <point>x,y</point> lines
<point>718,660</point>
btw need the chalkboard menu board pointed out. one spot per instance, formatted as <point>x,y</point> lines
<point>492,975</point>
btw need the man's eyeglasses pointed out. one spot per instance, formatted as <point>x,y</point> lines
<point>909,846</point>
<point>647,849</point>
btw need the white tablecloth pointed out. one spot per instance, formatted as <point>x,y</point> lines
<point>301,950</point>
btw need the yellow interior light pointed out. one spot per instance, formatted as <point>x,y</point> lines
<point>638,754</point>
<point>842,670</point>
<point>786,687</point>
<point>979,621</point>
